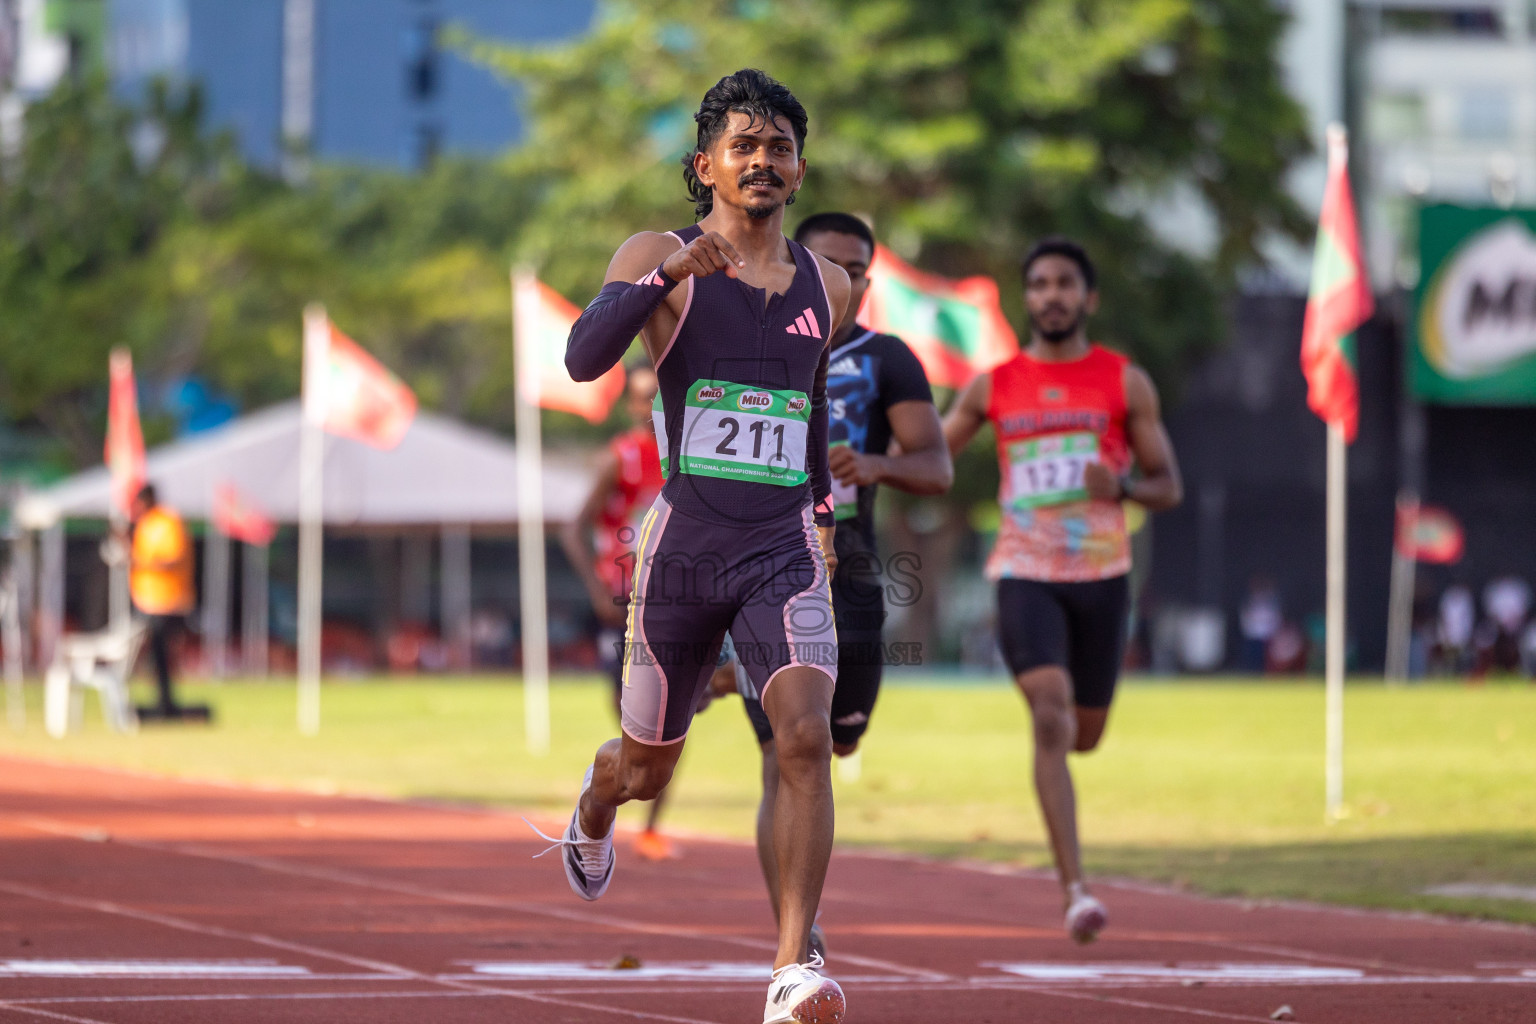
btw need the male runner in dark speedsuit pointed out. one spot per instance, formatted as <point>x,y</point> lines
<point>737,319</point>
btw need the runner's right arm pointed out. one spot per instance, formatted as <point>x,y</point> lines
<point>917,460</point>
<point>655,264</point>
<point>967,413</point>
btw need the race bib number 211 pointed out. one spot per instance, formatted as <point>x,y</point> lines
<point>744,433</point>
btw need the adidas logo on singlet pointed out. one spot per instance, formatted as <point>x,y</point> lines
<point>844,367</point>
<point>805,324</point>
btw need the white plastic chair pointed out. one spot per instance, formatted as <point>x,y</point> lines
<point>100,661</point>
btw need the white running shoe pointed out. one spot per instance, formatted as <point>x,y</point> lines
<point>588,862</point>
<point>798,994</point>
<point>1086,917</point>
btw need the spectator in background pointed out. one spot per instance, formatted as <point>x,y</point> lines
<point>1528,649</point>
<point>1506,602</point>
<point>1457,617</point>
<point>1258,622</point>
<point>1287,650</point>
<point>160,583</point>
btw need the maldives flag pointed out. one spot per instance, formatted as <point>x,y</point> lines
<point>956,328</point>
<point>347,391</point>
<point>124,450</point>
<point>1429,533</point>
<point>237,517</point>
<point>1338,302</point>
<point>541,323</point>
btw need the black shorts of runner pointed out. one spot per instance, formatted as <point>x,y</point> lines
<point>858,601</point>
<point>1080,627</point>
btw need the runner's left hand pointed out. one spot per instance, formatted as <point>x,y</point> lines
<point>825,533</point>
<point>1101,482</point>
<point>851,468</point>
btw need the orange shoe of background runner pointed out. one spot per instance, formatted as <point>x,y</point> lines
<point>652,845</point>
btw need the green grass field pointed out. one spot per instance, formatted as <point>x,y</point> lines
<point>1212,785</point>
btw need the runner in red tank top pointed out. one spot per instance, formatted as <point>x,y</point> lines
<point>1072,419</point>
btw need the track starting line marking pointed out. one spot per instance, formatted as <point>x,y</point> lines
<point>1043,974</point>
<point>574,970</point>
<point>1248,972</point>
<point>57,968</point>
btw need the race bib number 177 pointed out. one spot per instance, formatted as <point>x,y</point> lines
<point>1049,470</point>
<point>743,433</point>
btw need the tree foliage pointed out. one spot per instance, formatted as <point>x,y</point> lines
<point>131,225</point>
<point>963,130</point>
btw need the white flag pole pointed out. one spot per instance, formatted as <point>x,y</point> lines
<point>1335,619</point>
<point>530,513</point>
<point>253,625</point>
<point>317,340</point>
<point>216,575</point>
<point>1333,773</point>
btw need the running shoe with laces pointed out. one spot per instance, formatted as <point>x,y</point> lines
<point>798,994</point>
<point>1086,916</point>
<point>588,862</point>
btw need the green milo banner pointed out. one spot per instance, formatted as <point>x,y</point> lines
<point>1473,333</point>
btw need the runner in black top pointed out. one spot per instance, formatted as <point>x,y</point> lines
<point>877,392</point>
<point>737,319</point>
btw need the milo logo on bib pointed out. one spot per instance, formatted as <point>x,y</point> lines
<point>738,432</point>
<point>754,400</point>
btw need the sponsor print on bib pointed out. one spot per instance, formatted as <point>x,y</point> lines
<point>845,497</point>
<point>745,433</point>
<point>1049,470</point>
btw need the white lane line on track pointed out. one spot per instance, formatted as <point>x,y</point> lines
<point>630,925</point>
<point>35,1012</point>
<point>866,985</point>
<point>971,866</point>
<point>574,916</point>
<point>252,997</point>
<point>32,1005</point>
<point>1142,1004</point>
<point>182,924</point>
<point>165,920</point>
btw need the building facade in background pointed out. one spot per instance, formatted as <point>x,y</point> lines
<point>352,81</point>
<point>1446,113</point>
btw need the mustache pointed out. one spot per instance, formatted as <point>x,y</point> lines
<point>760,178</point>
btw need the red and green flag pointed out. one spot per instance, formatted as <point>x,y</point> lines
<point>124,450</point>
<point>541,323</point>
<point>349,392</point>
<point>1338,302</point>
<point>1429,533</point>
<point>956,328</point>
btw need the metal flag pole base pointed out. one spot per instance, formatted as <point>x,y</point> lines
<point>1333,769</point>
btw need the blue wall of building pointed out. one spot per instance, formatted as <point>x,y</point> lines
<point>384,95</point>
<point>236,51</point>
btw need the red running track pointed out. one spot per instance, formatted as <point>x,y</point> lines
<point>127,899</point>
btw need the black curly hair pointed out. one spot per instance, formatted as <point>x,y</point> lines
<point>748,91</point>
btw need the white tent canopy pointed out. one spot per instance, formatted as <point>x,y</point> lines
<point>442,472</point>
